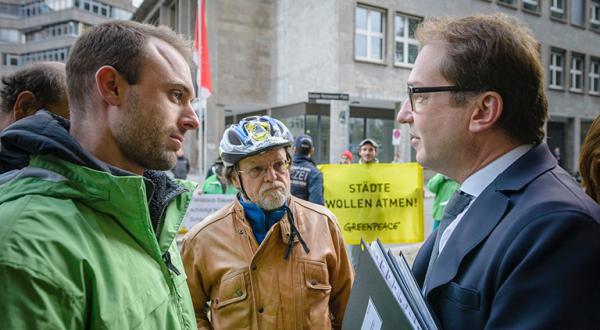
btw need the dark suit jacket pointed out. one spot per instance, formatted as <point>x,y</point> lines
<point>526,255</point>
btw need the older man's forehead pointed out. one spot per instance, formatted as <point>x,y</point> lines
<point>266,156</point>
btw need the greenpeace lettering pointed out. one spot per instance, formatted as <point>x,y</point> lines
<point>377,226</point>
<point>373,201</point>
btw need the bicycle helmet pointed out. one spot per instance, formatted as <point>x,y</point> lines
<point>251,136</point>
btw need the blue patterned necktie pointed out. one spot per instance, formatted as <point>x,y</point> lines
<point>457,203</point>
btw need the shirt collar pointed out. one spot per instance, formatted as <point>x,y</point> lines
<point>479,180</point>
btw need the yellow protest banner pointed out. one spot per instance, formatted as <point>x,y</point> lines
<point>373,201</point>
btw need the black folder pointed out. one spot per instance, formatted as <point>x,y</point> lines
<point>385,294</point>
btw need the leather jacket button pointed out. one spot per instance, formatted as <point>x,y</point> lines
<point>261,310</point>
<point>313,282</point>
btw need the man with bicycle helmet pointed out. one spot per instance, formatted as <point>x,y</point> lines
<point>268,260</point>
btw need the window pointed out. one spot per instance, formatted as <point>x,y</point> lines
<point>507,2</point>
<point>12,60</point>
<point>578,12</point>
<point>576,72</point>
<point>59,54</point>
<point>407,46</point>
<point>557,60</point>
<point>9,10</point>
<point>557,9</point>
<point>594,75</point>
<point>595,14</point>
<point>10,35</point>
<point>531,5</point>
<point>369,36</point>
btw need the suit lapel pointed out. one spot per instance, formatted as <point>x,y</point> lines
<point>481,218</point>
<point>486,212</point>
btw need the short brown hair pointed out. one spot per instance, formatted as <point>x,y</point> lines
<point>118,44</point>
<point>589,161</point>
<point>46,82</point>
<point>498,53</point>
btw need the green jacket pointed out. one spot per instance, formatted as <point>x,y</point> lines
<point>443,188</point>
<point>78,248</point>
<point>212,186</point>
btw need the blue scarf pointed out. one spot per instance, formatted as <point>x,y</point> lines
<point>261,220</point>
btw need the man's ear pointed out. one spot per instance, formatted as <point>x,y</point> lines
<point>111,85</point>
<point>489,107</point>
<point>25,105</point>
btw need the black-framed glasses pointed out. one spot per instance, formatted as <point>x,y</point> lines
<point>412,90</point>
<point>279,166</point>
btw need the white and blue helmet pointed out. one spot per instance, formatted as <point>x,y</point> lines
<point>251,136</point>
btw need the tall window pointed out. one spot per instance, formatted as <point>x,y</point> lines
<point>576,72</point>
<point>595,14</point>
<point>578,12</point>
<point>531,5</point>
<point>594,74</point>
<point>369,36</point>
<point>557,9</point>
<point>406,44</point>
<point>557,62</point>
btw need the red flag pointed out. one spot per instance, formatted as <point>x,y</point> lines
<point>201,52</point>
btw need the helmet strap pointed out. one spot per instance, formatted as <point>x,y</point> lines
<point>235,167</point>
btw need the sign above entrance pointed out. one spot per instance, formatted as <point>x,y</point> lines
<point>313,97</point>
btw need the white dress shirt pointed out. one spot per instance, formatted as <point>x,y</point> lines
<point>478,181</point>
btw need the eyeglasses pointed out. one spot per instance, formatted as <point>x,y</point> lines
<point>421,90</point>
<point>280,166</point>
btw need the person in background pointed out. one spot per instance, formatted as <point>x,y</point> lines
<point>367,150</point>
<point>89,222</point>
<point>443,188</point>
<point>39,85</point>
<point>307,180</point>
<point>346,157</point>
<point>268,260</point>
<point>218,183</point>
<point>589,161</point>
<point>518,245</point>
<point>182,166</point>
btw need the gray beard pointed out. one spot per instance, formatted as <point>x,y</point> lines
<point>272,200</point>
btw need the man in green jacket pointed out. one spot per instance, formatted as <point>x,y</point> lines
<point>443,187</point>
<point>88,219</point>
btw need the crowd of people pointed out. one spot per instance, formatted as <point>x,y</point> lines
<point>90,216</point>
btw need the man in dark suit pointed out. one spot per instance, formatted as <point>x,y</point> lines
<point>523,250</point>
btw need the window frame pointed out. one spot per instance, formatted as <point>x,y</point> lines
<point>594,77</point>
<point>562,12</point>
<point>406,40</point>
<point>576,75</point>
<point>511,4</point>
<point>369,34</point>
<point>594,22</point>
<point>533,3</point>
<point>553,69</point>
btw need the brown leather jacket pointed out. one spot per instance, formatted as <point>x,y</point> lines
<point>254,287</point>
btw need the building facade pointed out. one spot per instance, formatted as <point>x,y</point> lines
<point>45,30</point>
<point>267,55</point>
